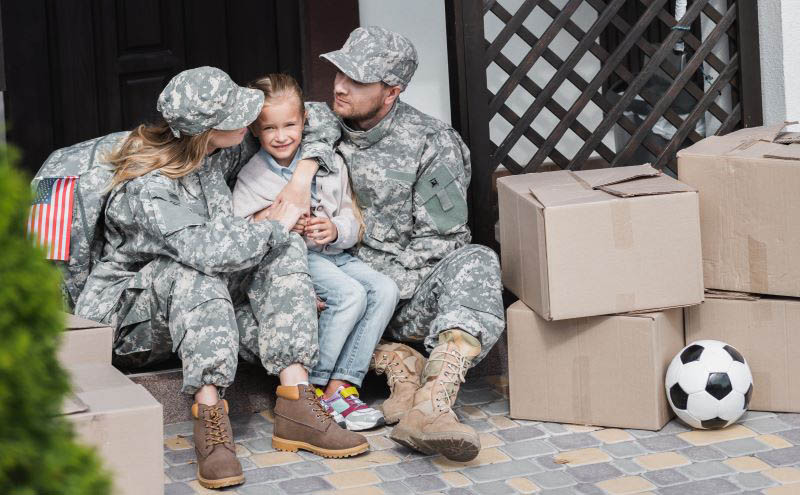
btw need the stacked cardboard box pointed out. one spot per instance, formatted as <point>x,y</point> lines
<point>111,413</point>
<point>579,249</point>
<point>749,209</point>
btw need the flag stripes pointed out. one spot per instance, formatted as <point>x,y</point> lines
<point>50,219</point>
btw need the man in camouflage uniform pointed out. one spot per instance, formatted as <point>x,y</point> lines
<point>410,173</point>
<point>179,273</point>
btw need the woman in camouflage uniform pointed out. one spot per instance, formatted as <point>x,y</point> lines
<point>179,273</point>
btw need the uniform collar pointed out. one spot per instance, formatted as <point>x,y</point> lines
<point>364,139</point>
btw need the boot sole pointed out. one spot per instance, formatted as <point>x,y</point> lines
<point>220,483</point>
<point>403,436</point>
<point>455,448</point>
<point>294,446</point>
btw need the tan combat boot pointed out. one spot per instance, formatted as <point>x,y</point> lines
<point>431,426</point>
<point>301,422</point>
<point>403,367</point>
<point>217,465</point>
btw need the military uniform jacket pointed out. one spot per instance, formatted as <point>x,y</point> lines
<point>410,175</point>
<point>189,220</point>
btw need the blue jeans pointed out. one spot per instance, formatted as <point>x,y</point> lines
<point>359,304</point>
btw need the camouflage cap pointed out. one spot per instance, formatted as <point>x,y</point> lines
<point>373,54</point>
<point>207,98</point>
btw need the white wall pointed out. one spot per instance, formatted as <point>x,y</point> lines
<point>778,22</point>
<point>421,21</point>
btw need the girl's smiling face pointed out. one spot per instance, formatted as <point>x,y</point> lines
<point>279,127</point>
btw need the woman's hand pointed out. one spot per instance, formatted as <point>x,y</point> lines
<point>298,191</point>
<point>321,230</point>
<point>286,214</point>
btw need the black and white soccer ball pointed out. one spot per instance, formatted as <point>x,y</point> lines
<point>709,384</point>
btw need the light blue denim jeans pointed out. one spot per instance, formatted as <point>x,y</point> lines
<point>359,304</point>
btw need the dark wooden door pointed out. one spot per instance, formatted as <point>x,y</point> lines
<point>76,69</point>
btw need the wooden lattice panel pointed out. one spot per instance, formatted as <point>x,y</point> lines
<point>614,61</point>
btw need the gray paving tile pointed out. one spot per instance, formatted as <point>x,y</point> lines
<point>791,435</point>
<point>588,489</point>
<point>267,474</point>
<point>248,433</point>
<point>259,445</point>
<point>704,453</point>
<point>743,446</point>
<point>257,489</point>
<point>304,485</point>
<point>748,415</point>
<point>390,473</point>
<point>178,489</point>
<point>480,425</point>
<point>642,433</point>
<point>506,470</point>
<point>627,466</point>
<point>592,473</point>
<point>425,483</point>
<point>246,463</point>
<point>185,472</point>
<point>495,408</point>
<point>704,470</point>
<point>309,468</point>
<point>624,449</point>
<point>493,488</point>
<point>574,441</point>
<point>520,433</point>
<point>461,491</point>
<point>528,448</point>
<point>552,479</point>
<point>395,488</point>
<point>791,418</point>
<point>781,457</point>
<point>184,428</point>
<point>752,481</point>
<point>663,443</point>
<point>673,427</point>
<point>177,457</point>
<point>666,477</point>
<point>559,491</point>
<point>554,428</point>
<point>717,486</point>
<point>418,466</point>
<point>768,425</point>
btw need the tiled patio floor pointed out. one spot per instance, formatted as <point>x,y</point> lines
<point>759,455</point>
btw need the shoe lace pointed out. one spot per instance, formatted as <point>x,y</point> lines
<point>451,376</point>
<point>395,371</point>
<point>322,413</point>
<point>215,428</point>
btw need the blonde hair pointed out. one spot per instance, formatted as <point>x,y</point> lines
<point>154,147</point>
<point>276,85</point>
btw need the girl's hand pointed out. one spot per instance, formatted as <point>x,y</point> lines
<point>300,226</point>
<point>321,230</point>
<point>298,191</point>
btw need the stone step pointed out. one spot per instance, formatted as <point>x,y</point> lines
<point>253,390</point>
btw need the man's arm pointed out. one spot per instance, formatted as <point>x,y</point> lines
<point>439,197</point>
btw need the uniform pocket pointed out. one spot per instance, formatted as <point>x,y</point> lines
<point>442,199</point>
<point>172,217</point>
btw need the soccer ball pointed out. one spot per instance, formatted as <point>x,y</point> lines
<point>709,384</point>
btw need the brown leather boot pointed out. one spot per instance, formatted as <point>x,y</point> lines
<point>217,465</point>
<point>403,367</point>
<point>431,426</point>
<point>301,422</point>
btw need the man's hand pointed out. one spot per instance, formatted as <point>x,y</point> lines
<point>321,230</point>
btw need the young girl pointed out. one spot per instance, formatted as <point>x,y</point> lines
<point>358,301</point>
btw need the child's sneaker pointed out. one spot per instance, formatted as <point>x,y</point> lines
<point>337,418</point>
<point>357,415</point>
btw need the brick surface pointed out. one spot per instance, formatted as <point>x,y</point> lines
<point>518,456</point>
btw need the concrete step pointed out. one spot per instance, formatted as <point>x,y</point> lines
<point>253,390</point>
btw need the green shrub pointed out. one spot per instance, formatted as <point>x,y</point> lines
<point>38,453</point>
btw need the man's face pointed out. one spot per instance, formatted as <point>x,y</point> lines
<point>357,101</point>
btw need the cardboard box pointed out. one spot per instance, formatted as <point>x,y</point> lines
<point>766,330</point>
<point>603,370</point>
<point>597,242</point>
<point>749,206</point>
<point>85,341</point>
<point>124,422</point>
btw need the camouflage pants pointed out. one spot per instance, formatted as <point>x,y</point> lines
<point>462,291</point>
<point>266,313</point>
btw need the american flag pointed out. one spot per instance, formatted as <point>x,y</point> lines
<point>50,220</point>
